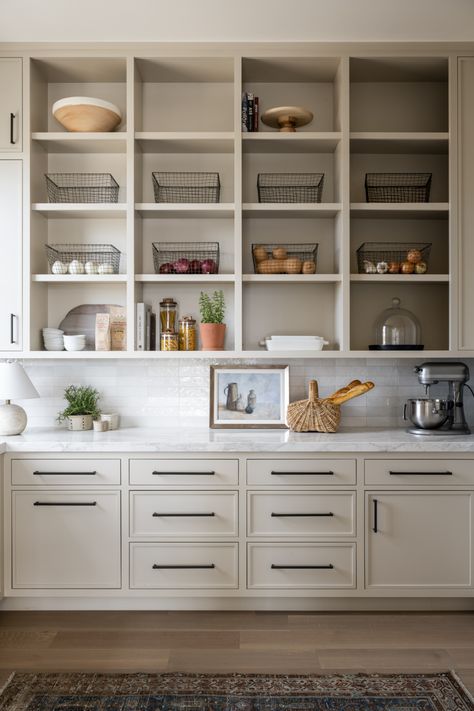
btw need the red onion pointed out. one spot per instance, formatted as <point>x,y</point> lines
<point>166,268</point>
<point>195,266</point>
<point>181,266</point>
<point>208,266</point>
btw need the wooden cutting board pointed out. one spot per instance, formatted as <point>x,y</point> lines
<point>81,319</point>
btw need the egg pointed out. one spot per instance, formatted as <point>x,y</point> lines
<point>382,267</point>
<point>105,269</point>
<point>76,267</point>
<point>369,267</point>
<point>59,267</point>
<point>407,267</point>
<point>91,268</point>
<point>421,268</point>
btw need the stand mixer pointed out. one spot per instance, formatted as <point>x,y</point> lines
<point>438,416</point>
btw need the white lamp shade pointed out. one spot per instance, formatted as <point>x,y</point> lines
<point>14,383</point>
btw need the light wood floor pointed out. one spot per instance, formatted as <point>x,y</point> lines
<point>237,642</point>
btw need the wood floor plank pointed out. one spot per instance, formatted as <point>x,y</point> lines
<point>400,660</point>
<point>85,660</point>
<point>231,660</point>
<point>145,639</point>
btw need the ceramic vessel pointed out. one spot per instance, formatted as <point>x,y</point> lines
<point>12,419</point>
<point>83,113</point>
<point>212,336</point>
<point>76,423</point>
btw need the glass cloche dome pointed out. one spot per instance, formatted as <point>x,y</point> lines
<point>397,329</point>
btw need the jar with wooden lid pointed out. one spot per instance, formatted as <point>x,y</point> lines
<point>187,333</point>
<point>168,341</point>
<point>168,315</point>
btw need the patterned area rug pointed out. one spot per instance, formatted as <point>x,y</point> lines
<point>234,692</point>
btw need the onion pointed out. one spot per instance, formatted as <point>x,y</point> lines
<point>195,266</point>
<point>166,268</point>
<point>208,266</point>
<point>181,266</point>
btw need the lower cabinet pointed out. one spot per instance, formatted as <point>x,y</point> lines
<point>66,539</point>
<point>418,539</point>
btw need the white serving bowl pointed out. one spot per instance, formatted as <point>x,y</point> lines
<point>84,113</point>
<point>74,343</point>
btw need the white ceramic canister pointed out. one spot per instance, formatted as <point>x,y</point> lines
<point>112,418</point>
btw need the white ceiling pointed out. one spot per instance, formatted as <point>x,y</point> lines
<point>235,20</point>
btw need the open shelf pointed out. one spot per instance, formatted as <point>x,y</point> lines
<point>293,278</point>
<point>181,209</point>
<point>186,278</point>
<point>401,278</point>
<point>61,142</point>
<point>402,142</point>
<point>426,210</point>
<point>277,209</point>
<point>298,142</point>
<point>79,278</point>
<point>61,210</point>
<point>185,141</point>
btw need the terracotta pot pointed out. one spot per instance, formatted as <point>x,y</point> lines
<point>212,336</point>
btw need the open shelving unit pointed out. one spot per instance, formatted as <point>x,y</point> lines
<point>371,113</point>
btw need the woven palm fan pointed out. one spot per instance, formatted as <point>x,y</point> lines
<point>323,414</point>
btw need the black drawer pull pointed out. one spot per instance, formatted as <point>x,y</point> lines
<point>209,566</point>
<point>375,528</point>
<point>64,473</point>
<point>420,473</point>
<point>155,473</point>
<point>12,329</point>
<point>65,503</point>
<point>279,515</point>
<point>273,473</point>
<point>302,567</point>
<point>155,514</point>
<point>12,119</point>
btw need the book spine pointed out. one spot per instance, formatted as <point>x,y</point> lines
<point>250,109</point>
<point>140,326</point>
<point>153,332</point>
<point>148,328</point>
<point>244,111</point>
<point>256,112</point>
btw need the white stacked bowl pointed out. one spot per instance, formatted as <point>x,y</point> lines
<point>53,339</point>
<point>75,343</point>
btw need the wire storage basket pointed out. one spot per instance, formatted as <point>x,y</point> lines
<point>398,187</point>
<point>290,187</point>
<point>81,187</point>
<point>186,187</point>
<point>186,257</point>
<point>285,258</point>
<point>99,258</point>
<point>393,258</point>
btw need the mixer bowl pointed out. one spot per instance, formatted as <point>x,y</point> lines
<point>426,413</point>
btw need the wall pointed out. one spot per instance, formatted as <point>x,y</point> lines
<point>171,392</point>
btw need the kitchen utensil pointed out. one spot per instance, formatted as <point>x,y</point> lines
<point>81,320</point>
<point>426,413</point>
<point>287,118</point>
<point>75,343</point>
<point>83,113</point>
<point>295,343</point>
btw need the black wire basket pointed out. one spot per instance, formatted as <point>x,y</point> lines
<point>186,187</point>
<point>100,258</point>
<point>81,187</point>
<point>186,257</point>
<point>398,187</point>
<point>393,258</point>
<point>285,258</point>
<point>290,187</point>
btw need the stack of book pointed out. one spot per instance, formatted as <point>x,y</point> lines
<point>250,111</point>
<point>146,328</point>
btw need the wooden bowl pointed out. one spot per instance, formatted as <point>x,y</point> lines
<point>287,118</point>
<point>83,113</point>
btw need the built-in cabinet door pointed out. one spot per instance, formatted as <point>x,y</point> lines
<point>465,201</point>
<point>10,104</point>
<point>419,539</point>
<point>10,250</point>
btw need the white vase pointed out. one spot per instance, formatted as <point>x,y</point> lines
<point>79,422</point>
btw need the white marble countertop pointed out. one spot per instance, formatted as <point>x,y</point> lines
<point>176,440</point>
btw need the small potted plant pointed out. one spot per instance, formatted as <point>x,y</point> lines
<point>81,408</point>
<point>212,328</point>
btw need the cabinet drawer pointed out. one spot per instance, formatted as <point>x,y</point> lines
<point>183,565</point>
<point>59,472</point>
<point>304,513</point>
<point>409,472</point>
<point>179,513</point>
<point>189,472</point>
<point>301,565</point>
<point>298,472</point>
<point>66,539</point>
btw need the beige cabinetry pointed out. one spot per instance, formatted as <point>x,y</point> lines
<point>11,254</point>
<point>11,114</point>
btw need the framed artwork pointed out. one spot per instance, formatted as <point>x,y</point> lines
<point>245,396</point>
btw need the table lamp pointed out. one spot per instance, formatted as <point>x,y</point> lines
<point>14,384</point>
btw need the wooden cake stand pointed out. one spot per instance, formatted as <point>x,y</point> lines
<point>287,118</point>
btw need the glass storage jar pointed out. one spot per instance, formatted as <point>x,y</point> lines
<point>397,329</point>
<point>168,315</point>
<point>187,333</point>
<point>168,341</point>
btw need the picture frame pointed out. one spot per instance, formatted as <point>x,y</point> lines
<point>249,396</point>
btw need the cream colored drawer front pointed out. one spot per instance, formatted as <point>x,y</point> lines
<point>409,472</point>
<point>66,539</point>
<point>301,565</point>
<point>181,472</point>
<point>305,513</point>
<point>183,565</point>
<point>179,513</point>
<point>300,472</point>
<point>60,472</point>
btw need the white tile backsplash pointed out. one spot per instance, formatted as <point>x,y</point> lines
<point>168,392</point>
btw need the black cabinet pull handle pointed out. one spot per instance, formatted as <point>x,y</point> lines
<point>155,514</point>
<point>12,119</point>
<point>375,528</point>
<point>39,473</point>
<point>279,515</point>
<point>447,473</point>
<point>274,473</point>
<point>155,473</point>
<point>12,328</point>
<point>65,503</point>
<point>208,566</point>
<point>302,567</point>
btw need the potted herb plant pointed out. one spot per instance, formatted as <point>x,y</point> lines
<point>82,407</point>
<point>212,328</point>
